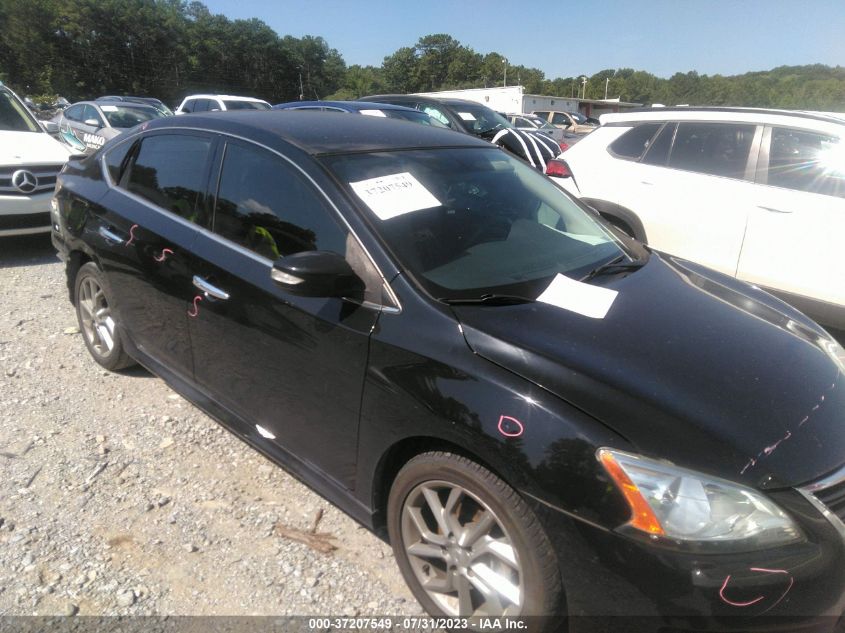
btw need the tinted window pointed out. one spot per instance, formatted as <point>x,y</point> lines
<point>633,143</point>
<point>170,171</point>
<point>124,117</point>
<point>90,112</point>
<point>717,149</point>
<point>807,161</point>
<point>436,114</point>
<point>559,118</point>
<point>245,105</point>
<point>189,106</point>
<point>116,160</point>
<point>74,113</point>
<point>13,115</point>
<point>264,205</point>
<point>200,105</point>
<point>657,150</point>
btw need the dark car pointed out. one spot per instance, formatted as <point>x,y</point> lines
<point>86,125</point>
<point>542,415</point>
<point>532,123</point>
<point>366,108</point>
<point>479,120</point>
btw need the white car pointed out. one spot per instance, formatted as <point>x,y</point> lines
<point>212,103</point>
<point>756,194</point>
<point>30,160</point>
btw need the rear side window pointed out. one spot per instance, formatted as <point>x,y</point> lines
<point>170,170</point>
<point>658,149</point>
<point>633,143</point>
<point>264,205</point>
<point>717,149</point>
<point>807,161</point>
<point>116,160</point>
<point>189,105</point>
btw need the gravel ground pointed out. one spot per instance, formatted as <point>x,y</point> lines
<point>118,497</point>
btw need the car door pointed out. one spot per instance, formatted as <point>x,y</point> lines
<point>692,188</point>
<point>291,367</point>
<point>793,242</point>
<point>147,225</point>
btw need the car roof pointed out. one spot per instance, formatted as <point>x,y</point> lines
<point>716,112</point>
<point>350,106</point>
<point>115,102</point>
<point>321,135</point>
<point>227,97</point>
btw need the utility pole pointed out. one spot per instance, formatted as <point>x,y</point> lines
<point>606,83</point>
<point>505,80</point>
<point>583,86</point>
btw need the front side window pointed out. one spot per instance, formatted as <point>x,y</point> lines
<point>717,149</point>
<point>481,120</point>
<point>13,115</point>
<point>74,113</point>
<point>807,161</point>
<point>124,117</point>
<point>265,206</point>
<point>232,104</point>
<point>657,151</point>
<point>189,106</point>
<point>436,114</point>
<point>470,222</point>
<point>170,171</point>
<point>559,118</point>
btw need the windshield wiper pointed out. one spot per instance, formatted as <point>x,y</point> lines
<point>614,266</point>
<point>487,300</point>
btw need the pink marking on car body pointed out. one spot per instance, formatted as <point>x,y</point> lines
<point>131,234</point>
<point>164,253</point>
<point>502,419</point>
<point>733,603</point>
<point>762,570</point>
<point>195,310</point>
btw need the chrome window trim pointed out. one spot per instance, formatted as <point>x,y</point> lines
<point>808,492</point>
<point>389,309</point>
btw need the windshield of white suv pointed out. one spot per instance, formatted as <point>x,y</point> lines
<point>13,115</point>
<point>245,105</point>
<point>470,222</point>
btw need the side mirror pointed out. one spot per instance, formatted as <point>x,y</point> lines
<point>51,127</point>
<point>92,122</point>
<point>317,274</point>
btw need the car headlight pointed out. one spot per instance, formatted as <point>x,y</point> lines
<point>693,508</point>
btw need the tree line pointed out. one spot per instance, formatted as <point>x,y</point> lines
<point>170,48</point>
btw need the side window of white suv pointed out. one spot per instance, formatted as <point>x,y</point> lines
<point>717,149</point>
<point>807,161</point>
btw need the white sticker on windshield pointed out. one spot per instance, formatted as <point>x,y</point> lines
<point>373,113</point>
<point>394,195</point>
<point>108,108</point>
<point>575,296</point>
<point>466,116</point>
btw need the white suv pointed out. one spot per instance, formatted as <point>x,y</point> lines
<point>30,160</point>
<point>212,103</point>
<point>756,194</point>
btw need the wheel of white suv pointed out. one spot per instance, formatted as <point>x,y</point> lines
<point>466,542</point>
<point>99,329</point>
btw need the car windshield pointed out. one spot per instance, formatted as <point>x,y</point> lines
<point>466,223</point>
<point>412,115</point>
<point>480,119</point>
<point>14,117</point>
<point>245,105</point>
<point>125,116</point>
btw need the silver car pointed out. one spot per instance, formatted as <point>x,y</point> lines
<point>87,125</point>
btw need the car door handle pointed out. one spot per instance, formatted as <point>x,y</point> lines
<point>209,289</point>
<point>772,210</point>
<point>110,235</point>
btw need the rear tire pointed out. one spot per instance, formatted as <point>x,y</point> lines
<point>99,329</point>
<point>487,554</point>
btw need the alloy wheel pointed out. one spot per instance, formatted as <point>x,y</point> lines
<point>95,317</point>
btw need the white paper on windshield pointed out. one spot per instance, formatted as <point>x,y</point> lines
<point>108,108</point>
<point>575,296</point>
<point>466,116</point>
<point>394,195</point>
<point>373,113</point>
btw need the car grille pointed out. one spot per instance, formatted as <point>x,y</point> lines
<point>828,495</point>
<point>24,221</point>
<point>45,175</point>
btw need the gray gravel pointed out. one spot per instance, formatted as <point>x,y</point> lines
<point>119,497</point>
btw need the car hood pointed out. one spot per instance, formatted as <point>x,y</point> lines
<point>687,365</point>
<point>30,148</point>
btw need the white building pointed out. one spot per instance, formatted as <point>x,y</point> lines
<point>513,100</point>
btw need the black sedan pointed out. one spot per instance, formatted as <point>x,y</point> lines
<point>543,416</point>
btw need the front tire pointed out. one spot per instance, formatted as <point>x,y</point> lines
<point>98,326</point>
<point>466,542</point>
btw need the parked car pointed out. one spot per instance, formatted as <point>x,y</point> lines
<point>538,413</point>
<point>474,118</point>
<point>156,103</point>
<point>533,123</point>
<point>757,194</point>
<point>574,122</point>
<point>366,108</point>
<point>211,103</point>
<point>86,125</point>
<point>30,160</point>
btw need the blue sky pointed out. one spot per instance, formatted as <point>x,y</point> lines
<point>566,38</point>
